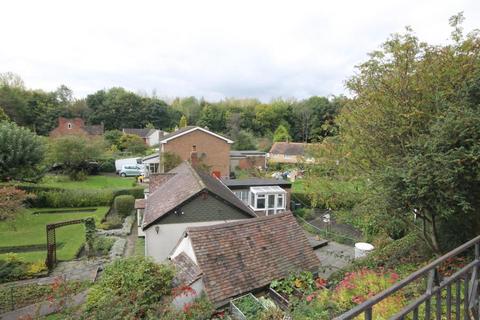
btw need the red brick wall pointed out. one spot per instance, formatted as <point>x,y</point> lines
<point>77,126</point>
<point>251,162</point>
<point>216,151</point>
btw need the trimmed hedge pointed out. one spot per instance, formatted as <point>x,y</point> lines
<point>49,197</point>
<point>124,205</point>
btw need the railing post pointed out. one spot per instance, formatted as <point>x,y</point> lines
<point>368,314</point>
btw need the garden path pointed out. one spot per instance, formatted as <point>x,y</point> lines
<point>131,240</point>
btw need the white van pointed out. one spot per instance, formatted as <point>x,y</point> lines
<point>120,163</point>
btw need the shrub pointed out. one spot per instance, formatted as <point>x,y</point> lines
<point>102,245</point>
<point>124,205</point>
<point>113,222</point>
<point>107,165</point>
<point>128,289</point>
<point>72,198</point>
<point>47,197</point>
<point>14,268</point>
<point>200,308</point>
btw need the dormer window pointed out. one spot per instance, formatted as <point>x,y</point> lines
<point>69,125</point>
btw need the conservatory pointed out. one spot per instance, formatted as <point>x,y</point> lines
<point>269,199</point>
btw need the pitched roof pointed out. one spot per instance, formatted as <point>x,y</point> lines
<point>187,270</point>
<point>188,129</point>
<point>186,182</point>
<point>144,133</point>
<point>96,129</point>
<point>242,256</point>
<point>288,148</point>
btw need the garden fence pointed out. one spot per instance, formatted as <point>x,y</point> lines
<point>327,234</point>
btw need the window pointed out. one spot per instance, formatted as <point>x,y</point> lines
<point>69,125</point>
<point>280,201</point>
<point>269,199</point>
<point>260,201</point>
<point>242,195</point>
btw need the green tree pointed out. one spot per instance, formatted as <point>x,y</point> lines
<point>413,125</point>
<point>244,141</point>
<point>281,134</point>
<point>183,122</point>
<point>112,137</point>
<point>170,160</point>
<point>75,153</point>
<point>133,144</point>
<point>21,153</point>
<point>3,115</point>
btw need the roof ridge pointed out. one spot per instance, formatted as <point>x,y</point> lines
<point>241,222</point>
<point>196,175</point>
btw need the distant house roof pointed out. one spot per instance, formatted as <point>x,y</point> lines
<point>95,130</point>
<point>245,183</point>
<point>183,183</point>
<point>185,130</point>
<point>238,257</point>
<point>289,148</point>
<point>143,133</point>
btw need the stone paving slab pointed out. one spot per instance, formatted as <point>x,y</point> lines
<point>334,256</point>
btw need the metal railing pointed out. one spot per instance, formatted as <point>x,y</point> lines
<point>458,293</point>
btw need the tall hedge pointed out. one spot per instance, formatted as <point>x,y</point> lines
<point>124,205</point>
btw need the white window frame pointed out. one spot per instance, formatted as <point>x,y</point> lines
<point>269,194</point>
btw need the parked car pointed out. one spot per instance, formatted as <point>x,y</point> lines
<point>120,163</point>
<point>131,171</point>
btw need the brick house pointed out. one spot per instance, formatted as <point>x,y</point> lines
<point>184,197</point>
<point>151,137</point>
<point>76,126</point>
<point>231,259</point>
<point>213,149</point>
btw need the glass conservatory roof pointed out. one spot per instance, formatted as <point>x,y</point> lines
<point>267,190</point>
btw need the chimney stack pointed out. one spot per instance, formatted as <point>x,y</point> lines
<point>194,156</point>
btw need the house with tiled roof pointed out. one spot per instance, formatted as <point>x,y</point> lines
<point>184,197</point>
<point>213,149</point>
<point>151,137</point>
<point>76,126</point>
<point>289,152</point>
<point>231,259</point>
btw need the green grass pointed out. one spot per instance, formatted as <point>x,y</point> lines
<point>92,182</point>
<point>140,247</point>
<point>30,230</point>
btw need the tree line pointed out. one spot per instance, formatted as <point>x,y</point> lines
<point>245,120</point>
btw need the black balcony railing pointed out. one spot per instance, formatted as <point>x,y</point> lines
<point>452,297</point>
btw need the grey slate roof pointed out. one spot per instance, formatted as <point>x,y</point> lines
<point>96,129</point>
<point>186,183</point>
<point>238,257</point>
<point>143,133</point>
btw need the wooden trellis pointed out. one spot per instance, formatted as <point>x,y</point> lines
<point>52,241</point>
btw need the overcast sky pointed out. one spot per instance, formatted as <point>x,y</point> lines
<point>214,49</point>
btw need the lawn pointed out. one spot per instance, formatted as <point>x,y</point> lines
<point>92,182</point>
<point>30,231</point>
